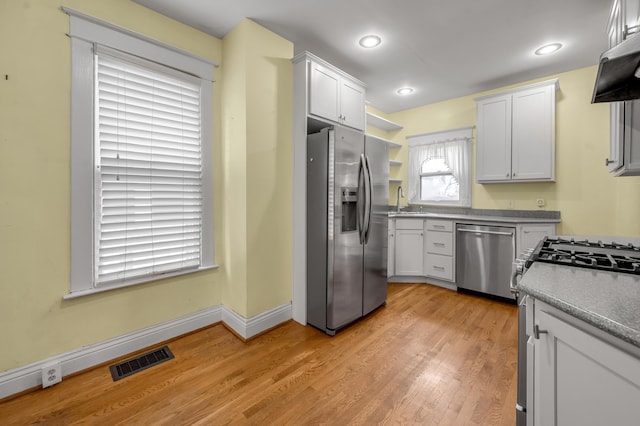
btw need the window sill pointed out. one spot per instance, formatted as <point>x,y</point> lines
<point>88,292</point>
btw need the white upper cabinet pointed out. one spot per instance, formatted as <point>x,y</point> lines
<point>624,145</point>
<point>516,135</point>
<point>335,96</point>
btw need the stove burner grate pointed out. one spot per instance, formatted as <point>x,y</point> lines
<point>586,254</point>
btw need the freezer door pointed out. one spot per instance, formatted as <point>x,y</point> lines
<point>375,250</point>
<point>344,290</point>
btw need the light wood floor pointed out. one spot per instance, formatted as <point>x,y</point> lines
<point>430,357</point>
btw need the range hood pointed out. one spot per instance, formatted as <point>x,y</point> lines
<point>618,73</point>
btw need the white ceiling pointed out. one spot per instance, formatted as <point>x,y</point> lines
<point>444,49</point>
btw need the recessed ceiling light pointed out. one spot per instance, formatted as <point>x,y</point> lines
<point>405,91</point>
<point>548,48</point>
<point>370,41</point>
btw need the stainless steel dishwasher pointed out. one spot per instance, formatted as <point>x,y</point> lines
<point>484,255</point>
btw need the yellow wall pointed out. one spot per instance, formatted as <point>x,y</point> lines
<point>252,208</point>
<point>257,64</point>
<point>591,200</point>
<point>35,322</point>
<point>234,136</point>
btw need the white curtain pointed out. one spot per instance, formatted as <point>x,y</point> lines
<point>452,145</point>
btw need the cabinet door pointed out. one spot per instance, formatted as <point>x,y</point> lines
<point>533,134</point>
<point>631,136</point>
<point>324,92</point>
<point>493,153</point>
<point>580,379</point>
<point>409,252</point>
<point>529,235</point>
<point>391,249</point>
<point>352,104</point>
<point>624,145</point>
<point>439,243</point>
<point>439,266</point>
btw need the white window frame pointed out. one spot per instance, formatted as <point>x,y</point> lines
<point>86,33</point>
<point>418,154</point>
<point>430,174</point>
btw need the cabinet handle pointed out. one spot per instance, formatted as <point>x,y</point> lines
<point>607,161</point>
<point>438,226</point>
<point>438,244</point>
<point>441,268</point>
<point>514,175</point>
<point>508,174</point>
<point>537,332</point>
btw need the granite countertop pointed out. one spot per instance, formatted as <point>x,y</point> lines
<point>607,300</point>
<point>481,215</point>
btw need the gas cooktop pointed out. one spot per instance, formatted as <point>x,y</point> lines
<point>612,256</point>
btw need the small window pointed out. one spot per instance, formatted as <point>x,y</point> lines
<point>439,171</point>
<point>437,182</point>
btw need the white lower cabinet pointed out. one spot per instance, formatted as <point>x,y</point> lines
<point>530,234</point>
<point>438,249</point>
<point>409,237</point>
<point>391,249</point>
<point>579,377</point>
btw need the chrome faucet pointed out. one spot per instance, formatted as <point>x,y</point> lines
<point>400,194</point>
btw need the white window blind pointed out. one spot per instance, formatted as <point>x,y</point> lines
<point>148,194</point>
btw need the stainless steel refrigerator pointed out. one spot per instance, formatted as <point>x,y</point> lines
<point>347,205</point>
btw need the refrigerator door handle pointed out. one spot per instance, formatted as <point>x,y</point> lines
<point>361,201</point>
<point>368,199</point>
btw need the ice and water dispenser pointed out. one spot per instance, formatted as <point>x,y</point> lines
<point>349,201</point>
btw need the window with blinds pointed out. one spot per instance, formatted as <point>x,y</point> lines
<point>148,170</point>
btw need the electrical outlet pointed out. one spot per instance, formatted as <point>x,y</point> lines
<point>51,374</point>
<point>540,202</point>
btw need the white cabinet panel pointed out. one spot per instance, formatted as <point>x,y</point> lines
<point>439,225</point>
<point>516,135</point>
<point>529,235</point>
<point>580,379</point>
<point>409,252</point>
<point>324,92</point>
<point>391,249</point>
<point>624,144</point>
<point>439,266</point>
<point>335,97</point>
<point>352,104</point>
<point>533,128</point>
<point>409,224</point>
<point>439,258</point>
<point>493,156</point>
<point>439,243</point>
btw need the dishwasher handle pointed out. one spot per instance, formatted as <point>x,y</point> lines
<point>475,231</point>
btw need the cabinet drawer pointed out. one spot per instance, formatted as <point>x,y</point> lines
<point>439,243</point>
<point>439,266</point>
<point>439,225</point>
<point>409,223</point>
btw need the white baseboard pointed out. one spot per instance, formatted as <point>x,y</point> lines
<point>424,280</point>
<point>247,328</point>
<point>29,376</point>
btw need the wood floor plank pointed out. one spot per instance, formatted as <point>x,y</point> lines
<point>430,356</point>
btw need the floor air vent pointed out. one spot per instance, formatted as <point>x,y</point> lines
<point>139,363</point>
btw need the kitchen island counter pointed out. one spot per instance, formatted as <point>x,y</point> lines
<point>609,301</point>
